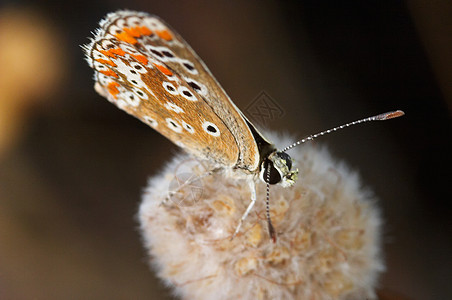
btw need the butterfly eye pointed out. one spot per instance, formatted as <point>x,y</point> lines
<point>286,157</point>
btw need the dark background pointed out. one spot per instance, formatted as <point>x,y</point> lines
<point>72,166</point>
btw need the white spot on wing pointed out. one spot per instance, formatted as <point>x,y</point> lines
<point>137,67</point>
<point>189,66</point>
<point>134,79</point>
<point>211,128</point>
<point>179,143</point>
<point>170,88</point>
<point>97,55</point>
<point>186,93</point>
<point>173,107</point>
<point>140,93</point>
<point>154,23</point>
<point>131,98</point>
<point>188,127</point>
<point>150,121</point>
<point>173,125</point>
<point>202,88</point>
<point>113,29</point>
<point>103,79</point>
<point>121,23</point>
<point>99,67</point>
<point>133,21</point>
<point>106,44</point>
<point>127,48</point>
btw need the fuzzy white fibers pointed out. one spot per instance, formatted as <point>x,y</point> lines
<point>327,224</point>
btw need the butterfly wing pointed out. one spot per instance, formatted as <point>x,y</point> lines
<point>148,70</point>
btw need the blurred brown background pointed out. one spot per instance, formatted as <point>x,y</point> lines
<point>72,166</point>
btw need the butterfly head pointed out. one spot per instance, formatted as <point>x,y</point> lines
<point>277,168</point>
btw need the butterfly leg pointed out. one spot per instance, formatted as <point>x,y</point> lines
<point>252,185</point>
<point>186,183</point>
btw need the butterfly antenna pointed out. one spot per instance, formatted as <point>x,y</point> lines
<point>380,117</point>
<point>271,229</point>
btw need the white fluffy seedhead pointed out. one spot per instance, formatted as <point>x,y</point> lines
<point>328,229</point>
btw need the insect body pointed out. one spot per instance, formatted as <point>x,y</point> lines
<point>145,68</point>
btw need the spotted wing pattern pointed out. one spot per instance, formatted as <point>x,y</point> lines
<point>148,70</point>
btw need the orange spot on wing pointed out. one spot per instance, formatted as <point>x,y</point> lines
<point>144,30</point>
<point>106,62</point>
<point>118,51</point>
<point>133,31</point>
<point>141,58</point>
<point>107,53</point>
<point>125,37</point>
<point>165,34</point>
<point>109,73</point>
<point>113,88</point>
<point>163,69</point>
<point>113,52</point>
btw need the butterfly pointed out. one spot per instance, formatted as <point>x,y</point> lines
<point>145,68</point>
